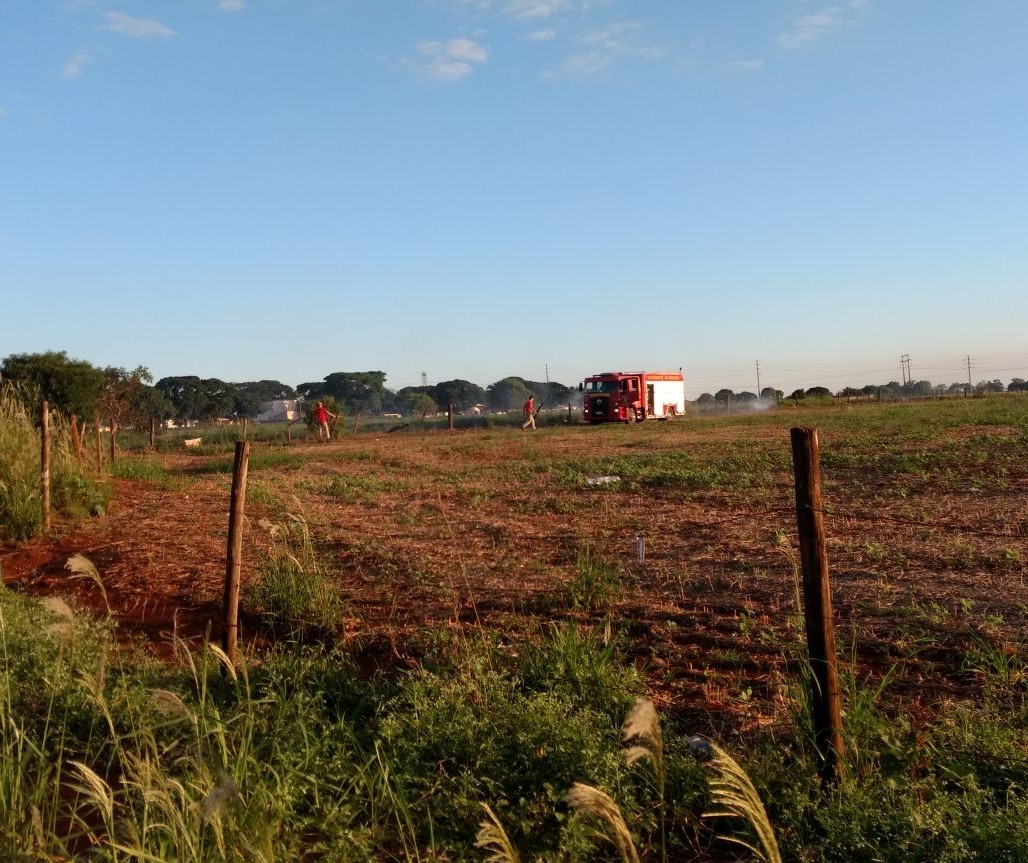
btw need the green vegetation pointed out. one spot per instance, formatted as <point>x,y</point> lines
<point>107,756</point>
<point>72,492</point>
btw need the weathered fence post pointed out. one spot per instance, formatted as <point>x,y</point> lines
<point>114,435</point>
<point>817,604</point>
<point>233,563</point>
<point>44,462</point>
<point>449,415</point>
<point>153,433</point>
<point>569,413</point>
<point>424,414</point>
<point>76,441</point>
<point>244,428</point>
<point>99,444</point>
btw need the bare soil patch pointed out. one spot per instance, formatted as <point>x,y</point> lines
<point>494,529</point>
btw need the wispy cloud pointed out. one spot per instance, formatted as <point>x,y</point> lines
<point>135,28</point>
<point>232,5</point>
<point>603,47</point>
<point>76,63</point>
<point>817,25</point>
<point>547,35</point>
<point>742,65</point>
<point>452,60</point>
<point>536,9</point>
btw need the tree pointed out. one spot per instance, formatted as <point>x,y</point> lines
<point>196,398</point>
<point>355,391</point>
<point>463,395</point>
<point>796,395</point>
<point>508,394</point>
<point>1017,385</point>
<point>72,386</point>
<point>769,394</point>
<point>724,396</point>
<point>818,392</point>
<point>414,401</point>
<point>705,400</point>
<point>121,390</point>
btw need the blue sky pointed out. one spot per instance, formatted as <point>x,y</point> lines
<point>250,189</point>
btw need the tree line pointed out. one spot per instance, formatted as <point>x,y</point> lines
<point>130,397</point>
<point>891,390</point>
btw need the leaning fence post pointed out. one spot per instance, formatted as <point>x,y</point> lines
<point>817,604</point>
<point>449,415</point>
<point>44,461</point>
<point>230,604</point>
<point>114,441</point>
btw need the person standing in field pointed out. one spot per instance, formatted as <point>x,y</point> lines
<point>321,417</point>
<point>529,411</point>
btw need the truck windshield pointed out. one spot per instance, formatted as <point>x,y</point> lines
<point>601,386</point>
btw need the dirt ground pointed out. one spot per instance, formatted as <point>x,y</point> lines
<point>497,529</point>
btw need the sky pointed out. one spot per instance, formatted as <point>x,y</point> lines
<point>791,192</point>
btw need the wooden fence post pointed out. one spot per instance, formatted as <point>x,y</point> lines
<point>356,420</point>
<point>233,564</point>
<point>449,415</point>
<point>244,428</point>
<point>114,435</point>
<point>99,445</point>
<point>817,604</point>
<point>153,433</point>
<point>76,441</point>
<point>44,461</point>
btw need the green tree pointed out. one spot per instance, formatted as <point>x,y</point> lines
<point>818,392</point>
<point>354,391</point>
<point>122,390</point>
<point>508,394</point>
<point>415,401</point>
<point>461,394</point>
<point>724,396</point>
<point>71,386</point>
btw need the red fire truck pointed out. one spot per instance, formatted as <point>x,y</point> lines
<point>621,397</point>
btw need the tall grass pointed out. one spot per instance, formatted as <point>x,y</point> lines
<point>72,491</point>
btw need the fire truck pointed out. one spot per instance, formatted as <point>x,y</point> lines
<point>621,397</point>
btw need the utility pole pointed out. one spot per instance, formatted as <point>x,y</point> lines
<point>424,379</point>
<point>970,385</point>
<point>905,369</point>
<point>758,379</point>
<point>547,373</point>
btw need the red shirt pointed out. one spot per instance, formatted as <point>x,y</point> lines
<point>530,406</point>
<point>321,414</point>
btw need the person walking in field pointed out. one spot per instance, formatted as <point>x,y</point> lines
<point>321,417</point>
<point>529,411</point>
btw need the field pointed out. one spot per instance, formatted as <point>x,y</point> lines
<point>478,551</point>
<point>689,558</point>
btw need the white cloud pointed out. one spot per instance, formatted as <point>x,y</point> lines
<point>743,65</point>
<point>584,65</point>
<point>452,60</point>
<point>232,5</point>
<point>817,25</point>
<point>136,28</point>
<point>529,9</point>
<point>76,63</point>
<point>547,35</point>
<point>604,47</point>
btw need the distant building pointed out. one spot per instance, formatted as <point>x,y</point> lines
<point>279,410</point>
